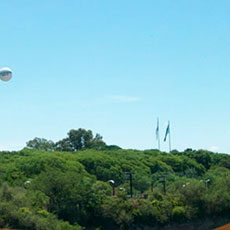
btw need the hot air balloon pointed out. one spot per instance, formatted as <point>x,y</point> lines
<point>5,74</point>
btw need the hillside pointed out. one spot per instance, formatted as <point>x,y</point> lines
<point>70,190</point>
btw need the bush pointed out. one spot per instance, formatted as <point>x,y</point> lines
<point>178,213</point>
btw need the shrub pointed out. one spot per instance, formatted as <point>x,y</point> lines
<point>178,213</point>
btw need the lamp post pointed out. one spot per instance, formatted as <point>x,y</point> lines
<point>206,183</point>
<point>112,183</point>
<point>130,175</point>
<point>26,183</point>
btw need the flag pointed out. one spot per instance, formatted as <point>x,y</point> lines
<point>167,132</point>
<point>157,130</point>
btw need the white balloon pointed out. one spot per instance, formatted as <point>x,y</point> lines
<point>5,74</point>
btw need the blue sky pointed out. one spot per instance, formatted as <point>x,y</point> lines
<point>114,67</point>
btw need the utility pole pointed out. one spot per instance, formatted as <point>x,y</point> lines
<point>130,174</point>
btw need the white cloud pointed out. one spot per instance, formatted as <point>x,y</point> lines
<point>213,148</point>
<point>123,98</point>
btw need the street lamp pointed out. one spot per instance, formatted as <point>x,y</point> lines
<point>206,183</point>
<point>26,183</point>
<point>112,183</point>
<point>122,189</point>
<point>5,74</point>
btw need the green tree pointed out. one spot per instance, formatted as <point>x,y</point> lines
<point>80,139</point>
<point>41,144</point>
<point>97,142</point>
<point>64,145</point>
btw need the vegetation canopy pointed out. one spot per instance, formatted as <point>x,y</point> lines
<point>64,186</point>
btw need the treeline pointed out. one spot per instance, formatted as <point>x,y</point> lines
<point>70,191</point>
<point>76,140</point>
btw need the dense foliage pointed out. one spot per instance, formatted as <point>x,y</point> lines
<point>70,190</point>
<point>75,140</point>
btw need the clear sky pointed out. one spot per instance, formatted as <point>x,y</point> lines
<point>114,67</point>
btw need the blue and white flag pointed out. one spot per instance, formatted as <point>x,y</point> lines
<point>157,130</point>
<point>167,132</point>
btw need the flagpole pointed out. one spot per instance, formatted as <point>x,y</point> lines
<point>159,145</point>
<point>169,137</point>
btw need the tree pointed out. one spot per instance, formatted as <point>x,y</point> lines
<point>80,139</point>
<point>112,147</point>
<point>75,140</point>
<point>203,157</point>
<point>41,144</point>
<point>64,145</point>
<point>69,193</point>
<point>97,142</point>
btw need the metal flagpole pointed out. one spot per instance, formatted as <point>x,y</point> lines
<point>169,137</point>
<point>159,146</point>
